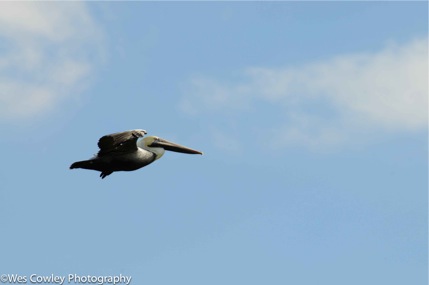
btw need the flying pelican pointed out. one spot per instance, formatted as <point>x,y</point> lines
<point>124,152</point>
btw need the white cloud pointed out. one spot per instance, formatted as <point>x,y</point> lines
<point>47,52</point>
<point>328,102</point>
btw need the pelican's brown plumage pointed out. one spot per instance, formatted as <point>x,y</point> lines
<point>124,151</point>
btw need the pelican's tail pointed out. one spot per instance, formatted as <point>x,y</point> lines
<point>85,164</point>
<point>92,164</point>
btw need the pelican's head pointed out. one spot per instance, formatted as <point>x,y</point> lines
<point>159,146</point>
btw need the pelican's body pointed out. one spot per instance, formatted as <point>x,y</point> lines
<point>124,152</point>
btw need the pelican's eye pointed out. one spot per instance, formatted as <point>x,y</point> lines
<point>154,142</point>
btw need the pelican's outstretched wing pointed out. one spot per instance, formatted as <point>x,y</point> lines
<point>120,142</point>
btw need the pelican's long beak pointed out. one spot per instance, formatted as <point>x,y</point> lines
<point>173,146</point>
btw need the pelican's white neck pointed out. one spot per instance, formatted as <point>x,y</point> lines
<point>144,144</point>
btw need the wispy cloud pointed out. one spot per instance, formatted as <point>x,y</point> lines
<point>47,52</point>
<point>328,102</point>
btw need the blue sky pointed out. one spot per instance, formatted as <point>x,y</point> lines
<point>312,117</point>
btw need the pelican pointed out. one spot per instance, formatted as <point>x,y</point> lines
<point>125,152</point>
